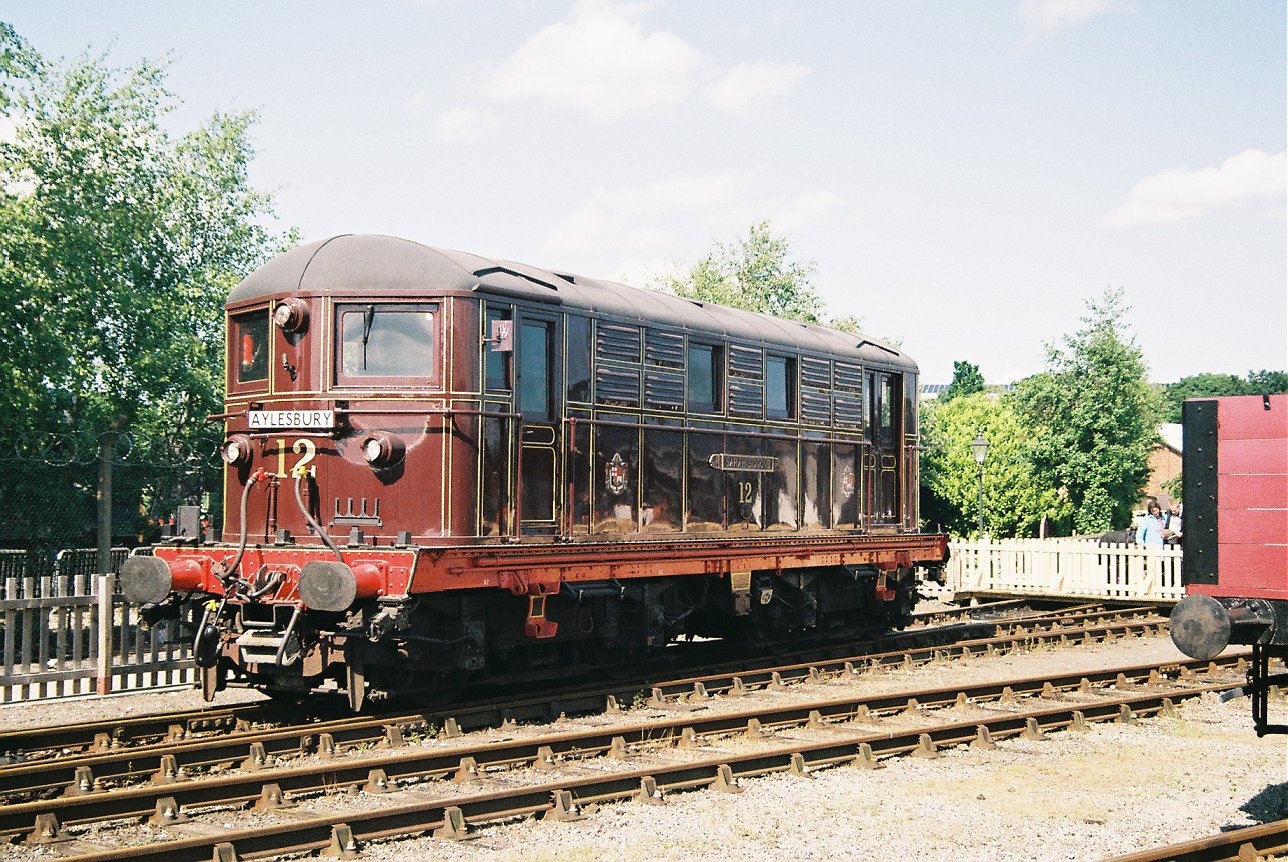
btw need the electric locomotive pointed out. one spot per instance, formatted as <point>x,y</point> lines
<point>441,467</point>
<point>1235,568</point>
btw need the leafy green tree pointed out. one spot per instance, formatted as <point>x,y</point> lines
<point>118,244</point>
<point>756,273</point>
<point>1015,496</point>
<point>1217,385</point>
<point>1094,417</point>
<point>966,381</point>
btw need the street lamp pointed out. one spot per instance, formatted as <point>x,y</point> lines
<point>980,447</point>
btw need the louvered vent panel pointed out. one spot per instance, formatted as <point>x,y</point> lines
<point>746,362</point>
<point>617,386</point>
<point>663,391</point>
<point>849,378</point>
<point>849,410</point>
<point>746,399</point>
<point>816,407</point>
<point>664,348</point>
<point>816,373</point>
<point>619,343</point>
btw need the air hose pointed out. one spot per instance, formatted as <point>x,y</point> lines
<point>312,522</point>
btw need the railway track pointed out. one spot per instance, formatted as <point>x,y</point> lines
<point>20,747</point>
<point>254,748</point>
<point>1265,841</point>
<point>448,786</point>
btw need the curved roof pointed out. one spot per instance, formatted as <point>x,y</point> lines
<point>389,265</point>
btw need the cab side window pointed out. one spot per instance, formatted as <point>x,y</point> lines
<point>780,388</point>
<point>251,340</point>
<point>703,382</point>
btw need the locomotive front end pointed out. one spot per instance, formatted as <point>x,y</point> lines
<point>330,413</point>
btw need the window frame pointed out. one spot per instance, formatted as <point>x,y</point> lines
<point>433,380</point>
<point>235,384</point>
<point>790,383</point>
<point>497,312</point>
<point>718,377</point>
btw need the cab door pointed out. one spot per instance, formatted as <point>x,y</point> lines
<point>883,438</point>
<point>537,388</point>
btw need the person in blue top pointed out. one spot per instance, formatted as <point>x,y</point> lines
<point>1149,532</point>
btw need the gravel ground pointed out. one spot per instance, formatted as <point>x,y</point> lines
<point>1112,790</point>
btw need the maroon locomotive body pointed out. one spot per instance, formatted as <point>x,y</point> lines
<point>1235,488</point>
<point>441,466</point>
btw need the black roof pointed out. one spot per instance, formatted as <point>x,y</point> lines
<point>353,263</point>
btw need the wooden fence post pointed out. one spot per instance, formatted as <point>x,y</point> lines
<point>106,622</point>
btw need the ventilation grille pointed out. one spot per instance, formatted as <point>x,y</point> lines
<point>746,362</point>
<point>664,391</point>
<point>617,387</point>
<point>665,349</point>
<point>618,343</point>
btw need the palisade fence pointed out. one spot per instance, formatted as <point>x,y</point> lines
<point>1064,567</point>
<point>66,631</point>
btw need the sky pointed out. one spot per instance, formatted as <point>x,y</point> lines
<point>965,176</point>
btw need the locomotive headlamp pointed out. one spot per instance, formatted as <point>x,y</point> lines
<point>236,450</point>
<point>291,315</point>
<point>382,449</point>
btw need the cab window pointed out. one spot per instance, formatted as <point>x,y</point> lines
<point>780,388</point>
<point>251,343</point>
<point>385,340</point>
<point>703,380</point>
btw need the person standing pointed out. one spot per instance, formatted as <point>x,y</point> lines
<point>1172,523</point>
<point>1149,532</point>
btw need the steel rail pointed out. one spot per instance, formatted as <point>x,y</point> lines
<point>171,727</point>
<point>451,815</point>
<point>420,762</point>
<point>44,776</point>
<point>1264,840</point>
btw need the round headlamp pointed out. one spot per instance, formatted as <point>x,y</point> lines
<point>236,450</point>
<point>291,315</point>
<point>381,449</point>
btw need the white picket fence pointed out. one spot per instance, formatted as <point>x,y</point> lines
<point>1064,567</point>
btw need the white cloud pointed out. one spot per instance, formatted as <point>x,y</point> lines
<point>1045,16</point>
<point>464,125</point>
<point>1173,195</point>
<point>416,102</point>
<point>805,209</point>
<point>653,222</point>
<point>632,217</point>
<point>603,61</point>
<point>747,88</point>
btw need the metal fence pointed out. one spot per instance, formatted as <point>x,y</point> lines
<point>1065,567</point>
<point>67,632</point>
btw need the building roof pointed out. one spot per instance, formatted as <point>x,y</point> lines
<point>354,263</point>
<point>1172,435</point>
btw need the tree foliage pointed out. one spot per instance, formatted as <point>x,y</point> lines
<point>1094,417</point>
<point>1015,497</point>
<point>967,380</point>
<point>757,273</point>
<point>1216,385</point>
<point>118,244</point>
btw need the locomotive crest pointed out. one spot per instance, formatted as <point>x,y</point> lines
<point>847,481</point>
<point>616,475</point>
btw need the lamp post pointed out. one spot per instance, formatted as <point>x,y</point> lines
<point>980,447</point>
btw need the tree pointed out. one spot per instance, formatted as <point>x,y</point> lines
<point>118,244</point>
<point>1094,417</point>
<point>1015,496</point>
<point>1217,385</point>
<point>757,274</point>
<point>966,381</point>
